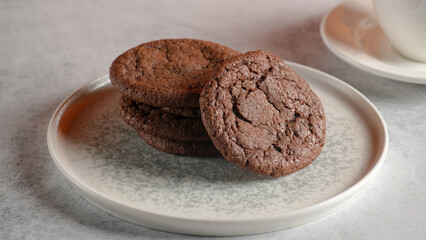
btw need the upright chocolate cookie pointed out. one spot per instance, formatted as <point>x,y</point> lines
<point>179,147</point>
<point>160,123</point>
<point>167,73</point>
<point>262,116</point>
<point>184,112</point>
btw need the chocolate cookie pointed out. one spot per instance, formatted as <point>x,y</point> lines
<point>160,123</point>
<point>184,112</point>
<point>179,147</point>
<point>262,116</point>
<point>167,73</point>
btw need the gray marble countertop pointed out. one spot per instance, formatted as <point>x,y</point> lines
<point>48,49</point>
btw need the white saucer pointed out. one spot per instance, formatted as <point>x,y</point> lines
<point>108,164</point>
<point>352,33</point>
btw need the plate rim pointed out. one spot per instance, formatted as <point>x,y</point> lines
<point>319,209</point>
<point>395,75</point>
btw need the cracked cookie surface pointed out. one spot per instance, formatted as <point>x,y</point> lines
<point>157,122</point>
<point>169,72</point>
<point>262,116</point>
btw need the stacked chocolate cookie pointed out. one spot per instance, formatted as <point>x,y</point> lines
<point>192,97</point>
<point>161,82</point>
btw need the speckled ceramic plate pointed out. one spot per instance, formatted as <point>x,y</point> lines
<point>352,33</point>
<point>106,161</point>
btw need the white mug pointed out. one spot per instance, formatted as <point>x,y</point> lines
<point>404,24</point>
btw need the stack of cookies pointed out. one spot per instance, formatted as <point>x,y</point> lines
<point>194,97</point>
<point>161,82</point>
